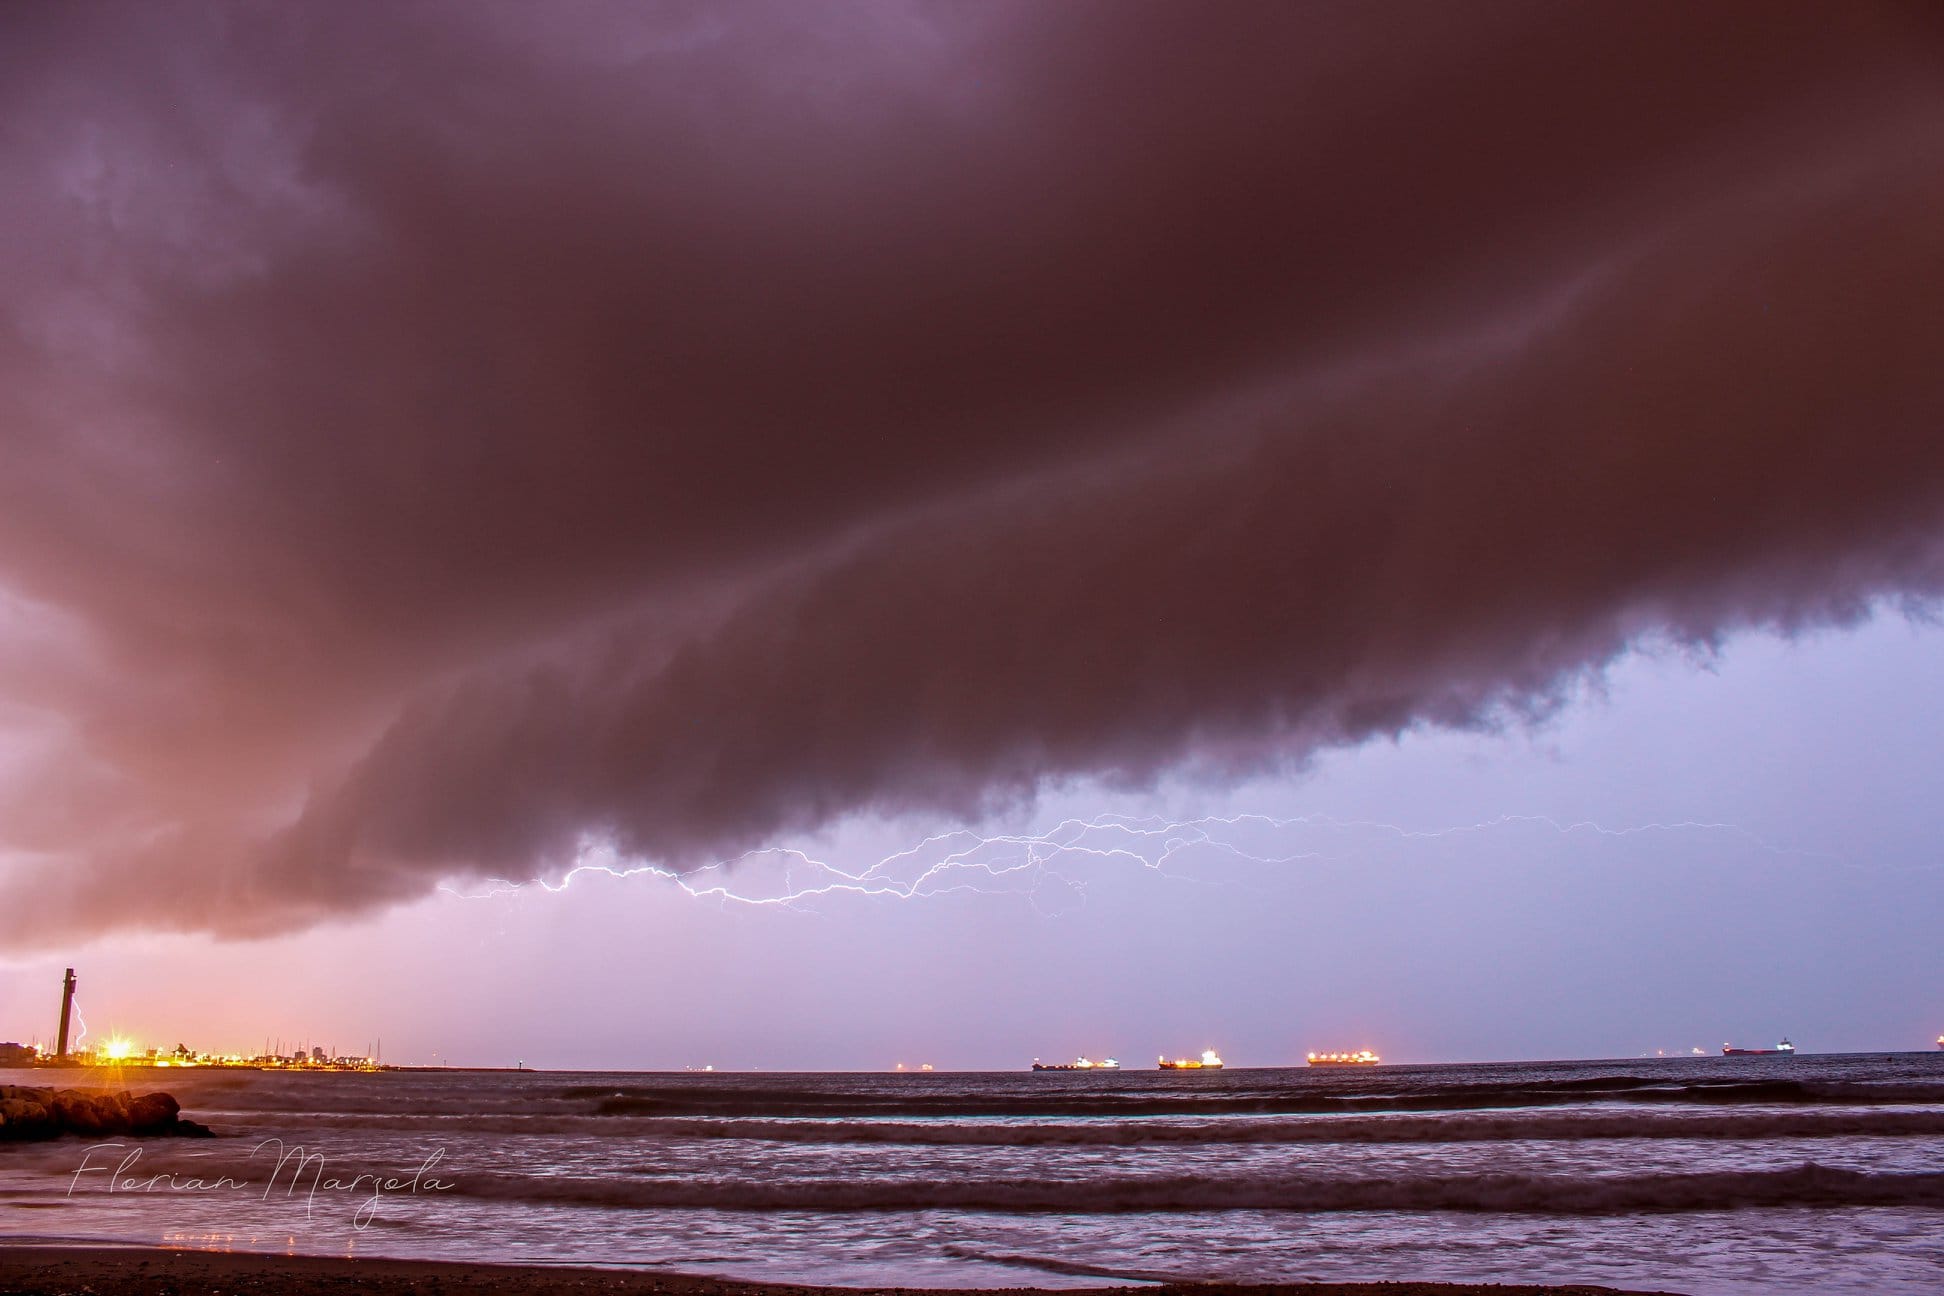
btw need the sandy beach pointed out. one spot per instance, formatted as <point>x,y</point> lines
<point>127,1271</point>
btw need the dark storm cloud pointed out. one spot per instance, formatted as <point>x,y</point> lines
<point>437,437</point>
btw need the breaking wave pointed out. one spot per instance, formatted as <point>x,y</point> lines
<point>1066,1268</point>
<point>797,1103</point>
<point>1395,1129</point>
<point>1805,1185</point>
<point>958,1131</point>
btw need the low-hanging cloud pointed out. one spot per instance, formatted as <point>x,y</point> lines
<point>436,438</point>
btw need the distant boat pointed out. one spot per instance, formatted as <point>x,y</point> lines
<point>1784,1049</point>
<point>1078,1064</point>
<point>1208,1061</point>
<point>1362,1057</point>
<point>1940,1041</point>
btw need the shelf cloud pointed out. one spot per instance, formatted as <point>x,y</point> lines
<point>433,438</point>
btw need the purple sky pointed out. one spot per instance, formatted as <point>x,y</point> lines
<point>441,445</point>
<point>1814,916</point>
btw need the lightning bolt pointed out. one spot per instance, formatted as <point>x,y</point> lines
<point>1038,864</point>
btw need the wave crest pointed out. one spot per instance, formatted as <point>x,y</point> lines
<point>1806,1185</point>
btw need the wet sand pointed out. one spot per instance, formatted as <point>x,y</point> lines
<point>118,1271</point>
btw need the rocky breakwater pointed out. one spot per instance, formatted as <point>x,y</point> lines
<point>27,1113</point>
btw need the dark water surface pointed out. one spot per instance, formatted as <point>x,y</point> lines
<point>1710,1175</point>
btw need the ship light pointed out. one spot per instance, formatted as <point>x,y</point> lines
<point>117,1049</point>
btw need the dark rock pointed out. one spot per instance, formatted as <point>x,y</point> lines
<point>83,1113</point>
<point>23,1118</point>
<point>29,1113</point>
<point>151,1110</point>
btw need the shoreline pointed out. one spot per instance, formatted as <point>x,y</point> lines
<point>52,1270</point>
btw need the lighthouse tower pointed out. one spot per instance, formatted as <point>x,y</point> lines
<point>67,1010</point>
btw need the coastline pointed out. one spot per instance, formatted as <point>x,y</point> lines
<point>40,1270</point>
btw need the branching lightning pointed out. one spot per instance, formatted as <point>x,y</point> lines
<point>1040,865</point>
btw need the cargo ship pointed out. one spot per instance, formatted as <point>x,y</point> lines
<point>1784,1048</point>
<point>1078,1064</point>
<point>1362,1057</point>
<point>1208,1061</point>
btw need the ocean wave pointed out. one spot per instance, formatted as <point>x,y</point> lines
<point>783,1104</point>
<point>1131,1095</point>
<point>1065,1268</point>
<point>1539,1126</point>
<point>1393,1129</point>
<point>1805,1185</point>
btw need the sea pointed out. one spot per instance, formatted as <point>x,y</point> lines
<point>1713,1176</point>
